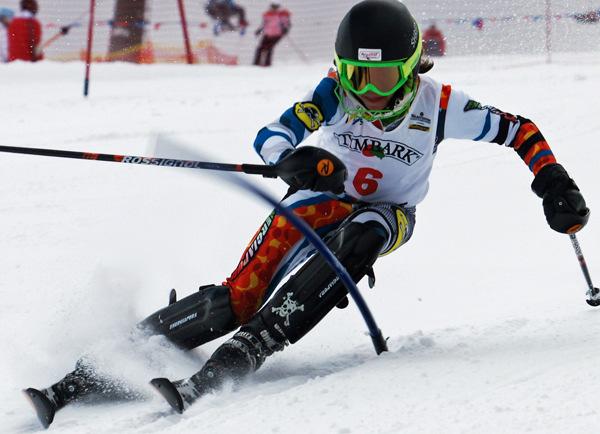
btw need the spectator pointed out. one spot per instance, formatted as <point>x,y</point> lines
<point>434,43</point>
<point>275,25</point>
<point>222,11</point>
<point>25,34</point>
<point>6,16</point>
<point>591,17</point>
<point>478,23</point>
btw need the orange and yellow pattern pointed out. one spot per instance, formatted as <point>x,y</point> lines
<point>276,237</point>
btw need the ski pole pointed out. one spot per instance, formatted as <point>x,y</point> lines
<point>252,169</point>
<point>592,292</point>
<point>64,30</point>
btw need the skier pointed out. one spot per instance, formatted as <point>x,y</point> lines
<point>382,120</point>
<point>222,11</point>
<point>275,25</point>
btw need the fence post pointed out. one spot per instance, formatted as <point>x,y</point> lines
<point>186,36</point>
<point>88,55</point>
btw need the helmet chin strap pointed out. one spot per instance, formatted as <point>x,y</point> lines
<point>401,97</point>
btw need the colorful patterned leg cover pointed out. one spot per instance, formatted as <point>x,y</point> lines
<point>276,246</point>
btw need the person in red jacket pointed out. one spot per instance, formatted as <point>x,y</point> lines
<point>434,43</point>
<point>276,24</point>
<point>25,34</point>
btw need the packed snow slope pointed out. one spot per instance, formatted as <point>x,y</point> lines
<point>485,308</point>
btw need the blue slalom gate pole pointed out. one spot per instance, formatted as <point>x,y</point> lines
<point>379,341</point>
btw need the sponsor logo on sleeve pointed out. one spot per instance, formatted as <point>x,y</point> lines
<point>472,105</point>
<point>505,115</point>
<point>309,114</point>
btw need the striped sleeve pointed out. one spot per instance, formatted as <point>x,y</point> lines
<point>320,107</point>
<point>465,118</point>
<point>531,146</point>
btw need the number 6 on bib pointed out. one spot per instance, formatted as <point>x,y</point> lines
<point>365,180</point>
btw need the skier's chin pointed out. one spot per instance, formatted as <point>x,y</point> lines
<point>373,101</point>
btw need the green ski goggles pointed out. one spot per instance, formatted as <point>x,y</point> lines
<point>382,78</point>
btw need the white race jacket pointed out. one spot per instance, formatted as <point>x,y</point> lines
<point>394,166</point>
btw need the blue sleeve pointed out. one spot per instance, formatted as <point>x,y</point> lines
<point>320,107</point>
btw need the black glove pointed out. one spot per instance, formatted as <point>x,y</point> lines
<point>564,205</point>
<point>310,168</point>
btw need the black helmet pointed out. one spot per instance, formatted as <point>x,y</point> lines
<point>378,34</point>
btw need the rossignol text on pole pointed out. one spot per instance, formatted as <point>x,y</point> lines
<point>251,169</point>
<point>593,293</point>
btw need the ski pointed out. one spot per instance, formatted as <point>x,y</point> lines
<point>42,405</point>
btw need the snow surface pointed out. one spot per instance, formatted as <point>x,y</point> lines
<point>484,308</point>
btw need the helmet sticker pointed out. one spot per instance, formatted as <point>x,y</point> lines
<point>415,35</point>
<point>370,54</point>
<point>309,114</point>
